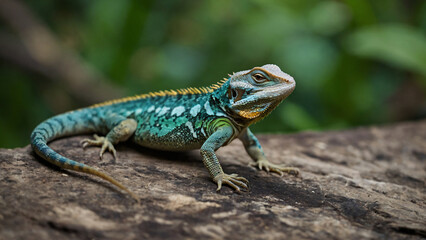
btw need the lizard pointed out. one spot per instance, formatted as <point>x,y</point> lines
<point>205,118</point>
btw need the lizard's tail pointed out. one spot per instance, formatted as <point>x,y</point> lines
<point>72,123</point>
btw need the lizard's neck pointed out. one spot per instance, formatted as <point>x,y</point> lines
<point>220,97</point>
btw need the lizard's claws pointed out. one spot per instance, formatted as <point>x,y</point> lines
<point>100,141</point>
<point>232,180</point>
<point>270,167</point>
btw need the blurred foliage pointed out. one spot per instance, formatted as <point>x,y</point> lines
<point>356,62</point>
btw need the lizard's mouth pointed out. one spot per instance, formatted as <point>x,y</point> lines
<point>262,99</point>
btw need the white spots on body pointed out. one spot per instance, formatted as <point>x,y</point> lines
<point>178,110</point>
<point>189,125</point>
<point>195,110</point>
<point>138,111</point>
<point>221,114</point>
<point>208,108</point>
<point>163,111</point>
<point>158,110</point>
<point>150,109</point>
<point>202,131</point>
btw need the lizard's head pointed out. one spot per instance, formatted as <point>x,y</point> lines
<point>254,93</point>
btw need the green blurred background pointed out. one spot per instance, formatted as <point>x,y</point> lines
<point>355,62</point>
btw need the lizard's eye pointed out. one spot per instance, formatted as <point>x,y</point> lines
<point>259,78</point>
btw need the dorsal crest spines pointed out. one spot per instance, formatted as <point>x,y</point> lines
<point>162,93</point>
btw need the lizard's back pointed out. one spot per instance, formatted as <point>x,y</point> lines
<point>171,122</point>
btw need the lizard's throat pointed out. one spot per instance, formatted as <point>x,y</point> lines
<point>257,111</point>
<point>262,103</point>
<point>263,99</point>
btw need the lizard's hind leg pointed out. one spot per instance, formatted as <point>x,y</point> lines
<point>119,133</point>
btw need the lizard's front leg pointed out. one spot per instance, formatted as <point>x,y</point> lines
<point>255,151</point>
<point>121,130</point>
<point>215,141</point>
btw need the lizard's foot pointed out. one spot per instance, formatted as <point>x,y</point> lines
<point>100,141</point>
<point>270,167</point>
<point>232,180</point>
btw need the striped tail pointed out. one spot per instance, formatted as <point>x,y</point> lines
<point>71,123</point>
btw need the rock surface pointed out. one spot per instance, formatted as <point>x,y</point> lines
<point>366,183</point>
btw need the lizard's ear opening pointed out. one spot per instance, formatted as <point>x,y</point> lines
<point>235,94</point>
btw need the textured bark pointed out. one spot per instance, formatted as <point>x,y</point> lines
<point>356,184</point>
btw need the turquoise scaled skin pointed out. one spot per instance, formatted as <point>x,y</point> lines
<point>185,119</point>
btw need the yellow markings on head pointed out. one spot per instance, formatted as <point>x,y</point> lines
<point>249,115</point>
<point>182,91</point>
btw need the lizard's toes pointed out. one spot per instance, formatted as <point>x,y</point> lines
<point>256,165</point>
<point>292,171</point>
<point>219,185</point>
<point>270,167</point>
<point>89,142</point>
<point>276,170</point>
<point>97,141</point>
<point>107,145</point>
<point>234,186</point>
<point>232,180</point>
<point>97,138</point>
